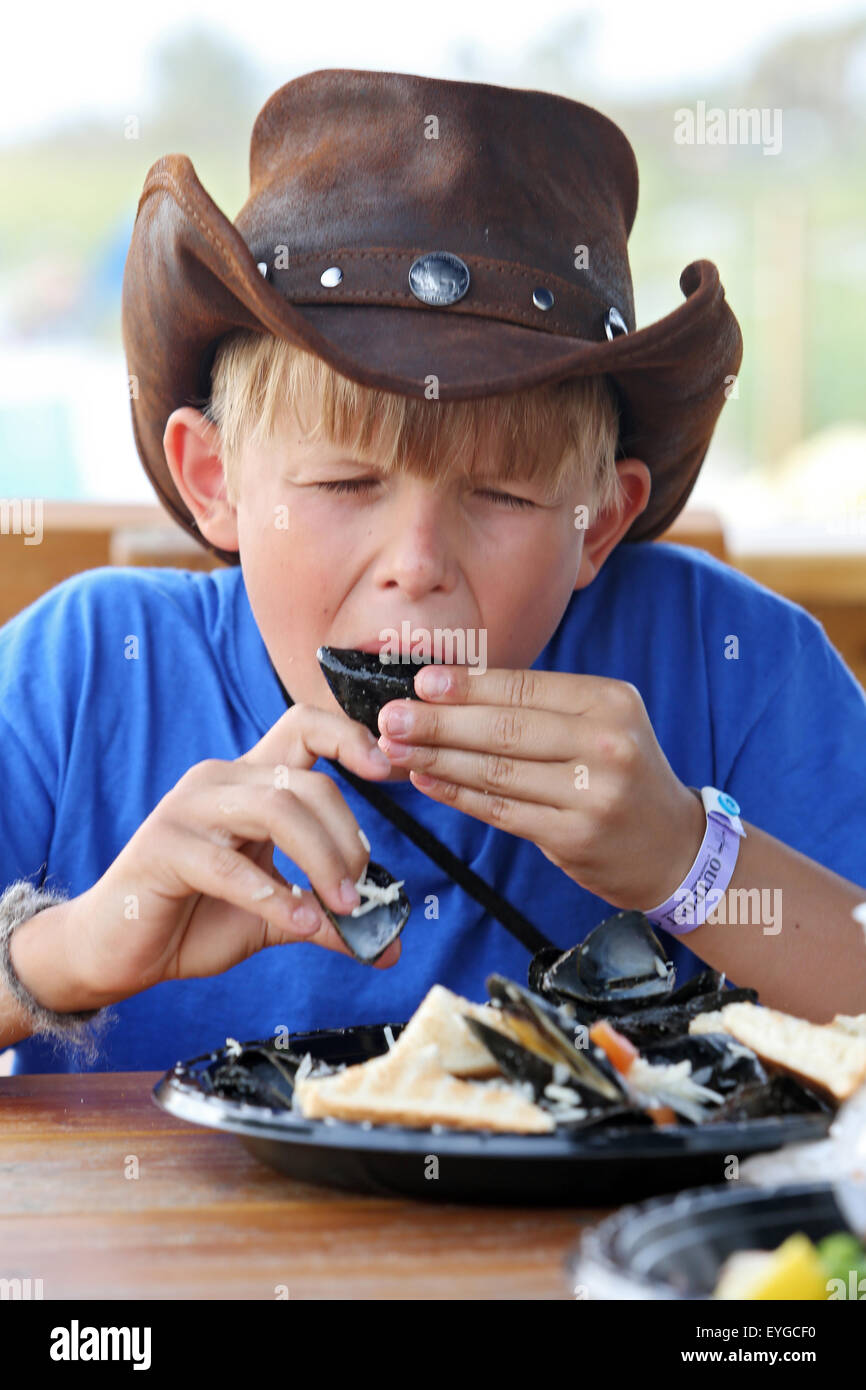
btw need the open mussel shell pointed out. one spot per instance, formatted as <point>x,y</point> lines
<point>619,967</point>
<point>514,1059</point>
<point>539,966</point>
<point>778,1095</point>
<point>256,1074</point>
<point>362,683</point>
<point>548,1036</point>
<point>369,934</point>
<point>717,1060</point>
<point>521,1063</point>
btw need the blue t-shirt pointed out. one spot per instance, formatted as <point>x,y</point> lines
<point>743,689</point>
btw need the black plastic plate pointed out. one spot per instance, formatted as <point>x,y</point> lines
<point>674,1248</point>
<point>603,1167</point>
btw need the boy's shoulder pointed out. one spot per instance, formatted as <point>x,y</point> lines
<point>111,588</point>
<point>665,572</point>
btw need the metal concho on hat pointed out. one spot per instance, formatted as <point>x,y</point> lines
<point>439,277</point>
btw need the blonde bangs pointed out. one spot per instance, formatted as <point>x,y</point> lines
<point>562,435</point>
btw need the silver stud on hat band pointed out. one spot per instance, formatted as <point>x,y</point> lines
<point>542,298</point>
<point>263,267</point>
<point>614,324</point>
<point>331,277</point>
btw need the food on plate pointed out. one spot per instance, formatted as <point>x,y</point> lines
<point>414,1089</point>
<point>828,1056</point>
<point>620,970</point>
<point>569,1052</point>
<point>601,1037</point>
<point>441,1018</point>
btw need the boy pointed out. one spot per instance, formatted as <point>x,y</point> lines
<point>375,431</point>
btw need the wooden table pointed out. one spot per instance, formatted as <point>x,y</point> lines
<point>204,1219</point>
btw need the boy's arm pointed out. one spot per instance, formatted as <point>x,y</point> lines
<point>784,927</point>
<point>37,951</point>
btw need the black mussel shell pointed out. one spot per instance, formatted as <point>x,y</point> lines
<point>362,683</point>
<point>614,1117</point>
<point>515,1060</point>
<point>646,1026</point>
<point>370,934</point>
<point>522,1062</point>
<point>619,967</point>
<point>550,1034</point>
<point>717,1060</point>
<point>256,1075</point>
<point>780,1095</point>
<point>706,982</point>
<point>540,964</point>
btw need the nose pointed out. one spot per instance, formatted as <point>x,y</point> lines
<point>417,546</point>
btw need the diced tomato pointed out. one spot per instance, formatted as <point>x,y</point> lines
<point>619,1051</point>
<point>663,1115</point>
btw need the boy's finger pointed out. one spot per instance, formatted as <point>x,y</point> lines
<point>306,733</point>
<point>327,935</point>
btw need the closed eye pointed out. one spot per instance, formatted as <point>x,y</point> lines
<point>356,485</point>
<point>507,498</point>
<point>348,485</point>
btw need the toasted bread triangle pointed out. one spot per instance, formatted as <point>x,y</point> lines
<point>413,1089</point>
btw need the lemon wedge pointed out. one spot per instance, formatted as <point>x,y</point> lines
<point>794,1271</point>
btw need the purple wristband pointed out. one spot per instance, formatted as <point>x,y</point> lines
<point>705,883</point>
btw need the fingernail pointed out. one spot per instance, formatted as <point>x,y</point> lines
<point>397,721</point>
<point>378,759</point>
<point>349,893</point>
<point>305,918</point>
<point>432,682</point>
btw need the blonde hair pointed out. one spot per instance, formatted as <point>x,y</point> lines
<point>561,434</point>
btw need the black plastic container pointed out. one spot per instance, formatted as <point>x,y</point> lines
<point>675,1248</point>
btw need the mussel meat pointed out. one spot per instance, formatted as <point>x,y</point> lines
<point>543,1050</point>
<point>362,683</point>
<point>574,1103</point>
<point>379,918</point>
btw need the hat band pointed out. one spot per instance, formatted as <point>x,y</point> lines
<point>497,289</point>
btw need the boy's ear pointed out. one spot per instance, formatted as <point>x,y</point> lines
<point>192,450</point>
<point>608,528</point>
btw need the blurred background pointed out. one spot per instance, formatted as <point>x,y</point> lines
<point>86,106</point>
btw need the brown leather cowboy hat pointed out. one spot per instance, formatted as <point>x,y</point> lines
<point>402,227</point>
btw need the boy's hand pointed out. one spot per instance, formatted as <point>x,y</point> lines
<point>569,762</point>
<point>195,890</point>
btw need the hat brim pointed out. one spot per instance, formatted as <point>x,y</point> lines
<point>190,278</point>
